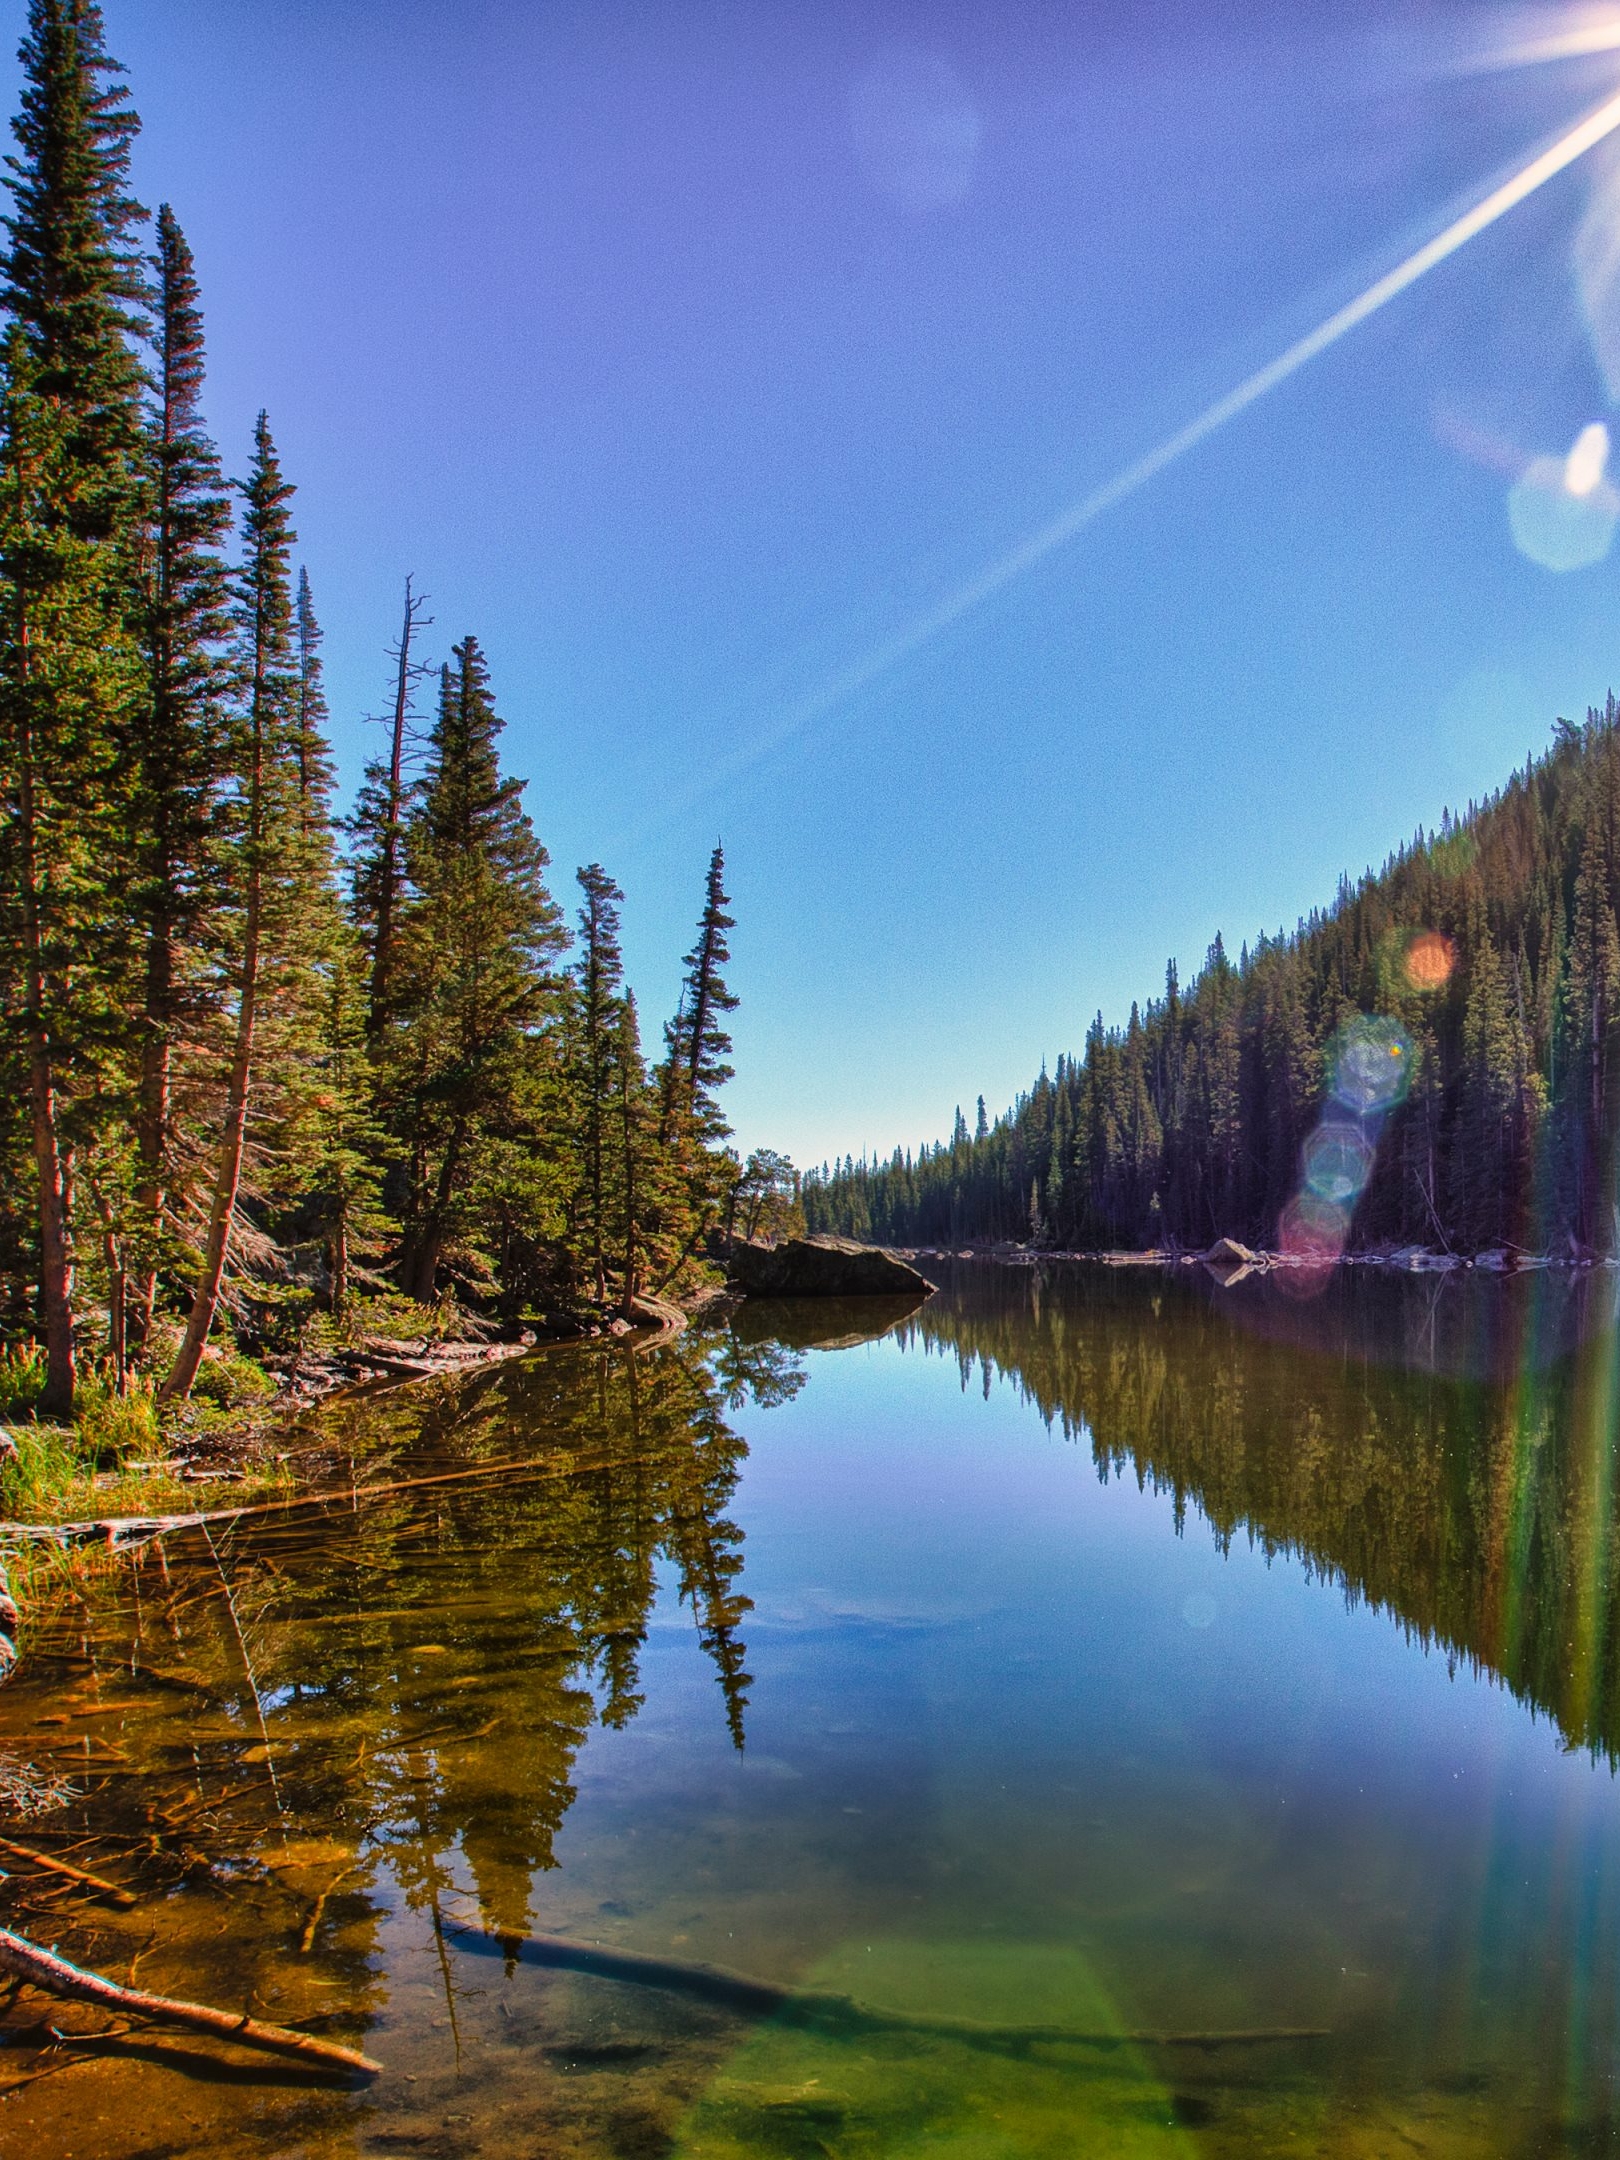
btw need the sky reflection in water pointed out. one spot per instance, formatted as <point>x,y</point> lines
<point>1217,1738</point>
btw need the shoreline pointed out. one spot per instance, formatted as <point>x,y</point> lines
<point>219,1463</point>
<point>1239,1260</point>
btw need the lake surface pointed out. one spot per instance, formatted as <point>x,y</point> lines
<point>1088,1649</point>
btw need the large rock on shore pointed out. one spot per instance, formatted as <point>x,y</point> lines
<point>822,1267</point>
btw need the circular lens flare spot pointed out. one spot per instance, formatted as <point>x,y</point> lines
<point>1338,1163</point>
<point>1429,961</point>
<point>1370,1066</point>
<point>1562,511</point>
<point>1310,1237</point>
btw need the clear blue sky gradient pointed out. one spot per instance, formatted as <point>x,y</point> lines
<point>687,354</point>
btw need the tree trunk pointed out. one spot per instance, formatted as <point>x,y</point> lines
<point>627,1113</point>
<point>382,959</point>
<point>421,1269</point>
<point>228,1178</point>
<point>340,1264</point>
<point>112,1246</point>
<point>152,1126</point>
<point>50,1158</point>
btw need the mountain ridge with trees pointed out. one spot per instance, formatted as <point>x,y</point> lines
<point>1483,959</point>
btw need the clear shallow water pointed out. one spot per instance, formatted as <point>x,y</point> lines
<point>1110,1651</point>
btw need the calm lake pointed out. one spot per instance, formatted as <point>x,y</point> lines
<point>1102,1650</point>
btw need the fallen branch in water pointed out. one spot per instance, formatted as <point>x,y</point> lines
<point>43,1969</point>
<point>98,1883</point>
<point>306,1941</point>
<point>750,1996</point>
<point>121,1530</point>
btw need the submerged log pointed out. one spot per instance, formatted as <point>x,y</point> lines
<point>99,1883</point>
<point>44,1969</point>
<point>749,1996</point>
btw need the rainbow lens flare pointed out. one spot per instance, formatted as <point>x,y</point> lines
<point>1370,1066</point>
<point>1338,1160</point>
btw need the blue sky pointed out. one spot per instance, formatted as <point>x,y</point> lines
<point>689,354</point>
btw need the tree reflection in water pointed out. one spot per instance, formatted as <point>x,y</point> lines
<point>413,1678</point>
<point>1445,1449</point>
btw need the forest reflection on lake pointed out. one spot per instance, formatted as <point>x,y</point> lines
<point>1109,1650</point>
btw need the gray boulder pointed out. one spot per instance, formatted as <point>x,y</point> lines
<point>822,1267</point>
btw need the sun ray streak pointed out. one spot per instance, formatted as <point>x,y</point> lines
<point>968,597</point>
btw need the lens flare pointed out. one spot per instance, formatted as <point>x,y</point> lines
<point>1370,1066</point>
<point>1562,511</point>
<point>1311,1237</point>
<point>1588,456</point>
<point>1369,1069</point>
<point>1338,1160</point>
<point>988,583</point>
<point>1429,961</point>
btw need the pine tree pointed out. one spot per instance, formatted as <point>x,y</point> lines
<point>179,745</point>
<point>639,1160</point>
<point>72,480</point>
<point>479,940</point>
<point>314,758</point>
<point>692,1128</point>
<point>598,1000</point>
<point>1591,1010</point>
<point>696,1043</point>
<point>270,860</point>
<point>335,1140</point>
<point>377,829</point>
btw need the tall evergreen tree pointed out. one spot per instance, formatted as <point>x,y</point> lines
<point>599,999</point>
<point>314,757</point>
<point>269,859</point>
<point>72,486</point>
<point>377,829</point>
<point>479,941</point>
<point>179,740</point>
<point>639,1160</point>
<point>699,1045</point>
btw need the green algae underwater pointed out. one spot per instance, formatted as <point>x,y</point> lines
<point>1115,1653</point>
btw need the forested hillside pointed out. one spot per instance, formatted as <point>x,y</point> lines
<point>257,1061</point>
<point>1434,1059</point>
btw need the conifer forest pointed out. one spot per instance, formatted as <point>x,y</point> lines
<point>259,1059</point>
<point>1432,1060</point>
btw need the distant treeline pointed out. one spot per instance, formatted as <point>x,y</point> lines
<point>1483,962</point>
<point>253,1057</point>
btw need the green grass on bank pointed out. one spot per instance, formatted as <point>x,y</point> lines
<point>123,1455</point>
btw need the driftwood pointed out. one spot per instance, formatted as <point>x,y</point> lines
<point>116,1891</point>
<point>749,1996</point>
<point>43,1969</point>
